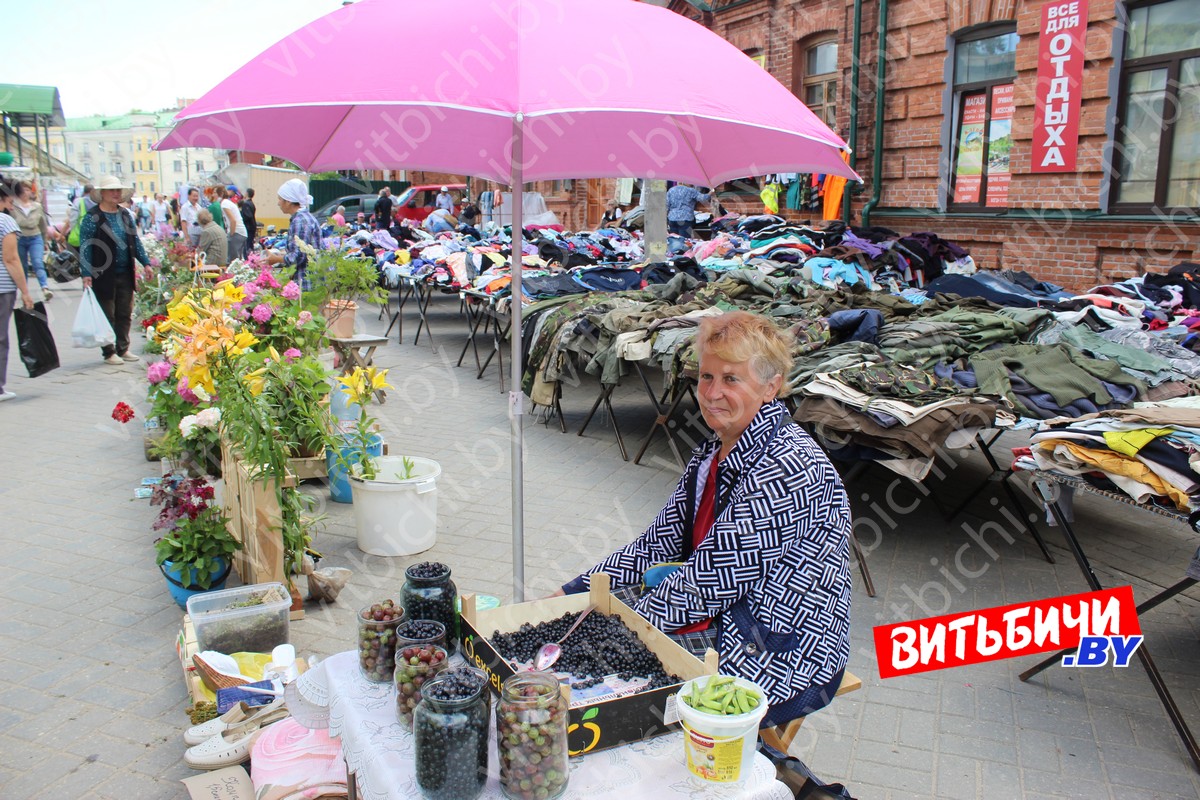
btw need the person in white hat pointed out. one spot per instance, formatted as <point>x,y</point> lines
<point>444,200</point>
<point>108,247</point>
<point>294,201</point>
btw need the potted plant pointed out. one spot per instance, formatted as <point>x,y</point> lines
<point>195,552</point>
<point>201,442</point>
<point>395,497</point>
<point>338,280</point>
<point>354,441</point>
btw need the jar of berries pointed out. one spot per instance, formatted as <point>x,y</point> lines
<point>531,737</point>
<point>416,665</point>
<point>428,593</point>
<point>377,625</point>
<point>450,735</point>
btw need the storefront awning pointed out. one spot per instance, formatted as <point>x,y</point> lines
<point>26,106</point>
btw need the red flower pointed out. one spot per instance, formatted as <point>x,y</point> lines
<point>153,321</point>
<point>122,413</point>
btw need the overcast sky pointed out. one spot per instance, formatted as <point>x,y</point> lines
<point>108,57</point>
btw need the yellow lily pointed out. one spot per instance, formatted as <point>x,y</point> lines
<point>378,379</point>
<point>255,381</point>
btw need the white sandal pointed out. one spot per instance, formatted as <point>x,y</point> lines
<point>231,746</point>
<point>240,713</point>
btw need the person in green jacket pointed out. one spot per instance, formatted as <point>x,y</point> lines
<point>218,194</point>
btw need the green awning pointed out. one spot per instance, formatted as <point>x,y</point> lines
<point>27,105</point>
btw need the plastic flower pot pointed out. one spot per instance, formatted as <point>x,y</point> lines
<point>397,515</point>
<point>180,593</point>
<point>339,482</point>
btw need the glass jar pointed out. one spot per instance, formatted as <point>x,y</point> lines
<point>377,639</point>
<point>417,632</point>
<point>450,735</point>
<point>531,737</point>
<point>416,665</point>
<point>428,593</point>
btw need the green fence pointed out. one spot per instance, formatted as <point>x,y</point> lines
<point>326,189</point>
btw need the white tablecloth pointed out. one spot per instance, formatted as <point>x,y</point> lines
<point>363,715</point>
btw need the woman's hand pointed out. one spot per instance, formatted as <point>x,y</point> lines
<point>87,283</point>
<point>557,593</point>
<point>27,300</point>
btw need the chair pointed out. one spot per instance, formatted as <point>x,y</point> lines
<point>780,736</point>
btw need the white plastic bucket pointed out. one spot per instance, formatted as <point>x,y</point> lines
<point>397,516</point>
<point>720,747</point>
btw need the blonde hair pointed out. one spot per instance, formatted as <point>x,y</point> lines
<point>739,336</point>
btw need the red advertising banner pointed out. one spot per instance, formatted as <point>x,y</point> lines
<point>999,146</point>
<point>1021,629</point>
<point>969,166</point>
<point>1059,86</point>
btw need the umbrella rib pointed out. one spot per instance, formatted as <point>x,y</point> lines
<point>329,138</point>
<point>323,104</point>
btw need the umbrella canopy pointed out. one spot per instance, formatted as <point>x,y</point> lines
<point>606,88</point>
<point>514,91</point>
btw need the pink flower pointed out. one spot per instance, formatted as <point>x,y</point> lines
<point>303,318</point>
<point>186,393</point>
<point>251,290</point>
<point>158,372</point>
<point>292,353</point>
<point>262,313</point>
<point>154,262</point>
<point>291,291</point>
<point>266,280</point>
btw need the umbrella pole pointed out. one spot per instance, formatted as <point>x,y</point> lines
<point>516,399</point>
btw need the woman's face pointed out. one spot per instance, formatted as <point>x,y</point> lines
<point>23,192</point>
<point>110,197</point>
<point>730,394</point>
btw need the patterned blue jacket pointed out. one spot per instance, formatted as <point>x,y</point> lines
<point>774,570</point>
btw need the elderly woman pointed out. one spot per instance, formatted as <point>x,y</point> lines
<point>294,201</point>
<point>108,247</point>
<point>12,277</point>
<point>214,243</point>
<point>760,522</point>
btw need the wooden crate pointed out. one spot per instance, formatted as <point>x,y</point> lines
<point>186,647</point>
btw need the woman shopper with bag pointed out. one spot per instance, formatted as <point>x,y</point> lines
<point>12,278</point>
<point>109,245</point>
<point>31,219</point>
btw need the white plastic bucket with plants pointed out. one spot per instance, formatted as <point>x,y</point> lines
<point>396,510</point>
<point>721,716</point>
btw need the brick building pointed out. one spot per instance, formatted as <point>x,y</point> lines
<point>989,137</point>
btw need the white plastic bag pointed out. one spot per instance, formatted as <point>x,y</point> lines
<point>91,328</point>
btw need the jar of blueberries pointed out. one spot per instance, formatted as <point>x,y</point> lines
<point>377,639</point>
<point>531,737</point>
<point>450,735</point>
<point>428,593</point>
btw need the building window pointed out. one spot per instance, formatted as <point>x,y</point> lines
<point>150,165</point>
<point>1156,157</point>
<point>116,147</point>
<point>103,168</point>
<point>199,166</point>
<point>139,145</point>
<point>86,149</point>
<point>178,166</point>
<point>71,148</point>
<point>984,69</point>
<point>817,81</point>
<point>152,189</point>
<point>757,56</point>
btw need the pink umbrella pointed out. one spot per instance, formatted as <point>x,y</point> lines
<point>514,91</point>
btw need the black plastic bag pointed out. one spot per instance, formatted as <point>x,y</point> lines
<point>35,341</point>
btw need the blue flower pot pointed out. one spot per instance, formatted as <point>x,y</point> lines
<point>339,481</point>
<point>175,585</point>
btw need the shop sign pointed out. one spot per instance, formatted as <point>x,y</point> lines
<point>1059,90</point>
<point>999,146</point>
<point>968,168</point>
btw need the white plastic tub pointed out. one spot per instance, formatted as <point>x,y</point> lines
<point>397,516</point>
<point>720,748</point>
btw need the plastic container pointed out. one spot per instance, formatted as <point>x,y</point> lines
<point>416,665</point>
<point>450,737</point>
<point>339,480</point>
<point>377,643</point>
<point>531,737</point>
<point>428,593</point>
<point>720,747</point>
<point>397,516</point>
<point>224,622</point>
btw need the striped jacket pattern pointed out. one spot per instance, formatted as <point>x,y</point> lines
<point>774,570</point>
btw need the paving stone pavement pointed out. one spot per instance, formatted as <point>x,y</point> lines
<point>91,696</point>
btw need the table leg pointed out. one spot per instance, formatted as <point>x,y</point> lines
<point>1151,669</point>
<point>402,295</point>
<point>351,784</point>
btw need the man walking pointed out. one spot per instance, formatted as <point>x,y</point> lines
<point>383,209</point>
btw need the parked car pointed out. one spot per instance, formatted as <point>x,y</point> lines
<point>354,203</point>
<point>416,202</point>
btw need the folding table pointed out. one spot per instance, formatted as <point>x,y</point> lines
<point>358,351</point>
<point>483,313</point>
<point>1046,483</point>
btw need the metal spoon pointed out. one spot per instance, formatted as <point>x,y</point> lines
<point>549,653</point>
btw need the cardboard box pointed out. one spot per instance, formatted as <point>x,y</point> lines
<point>605,723</point>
